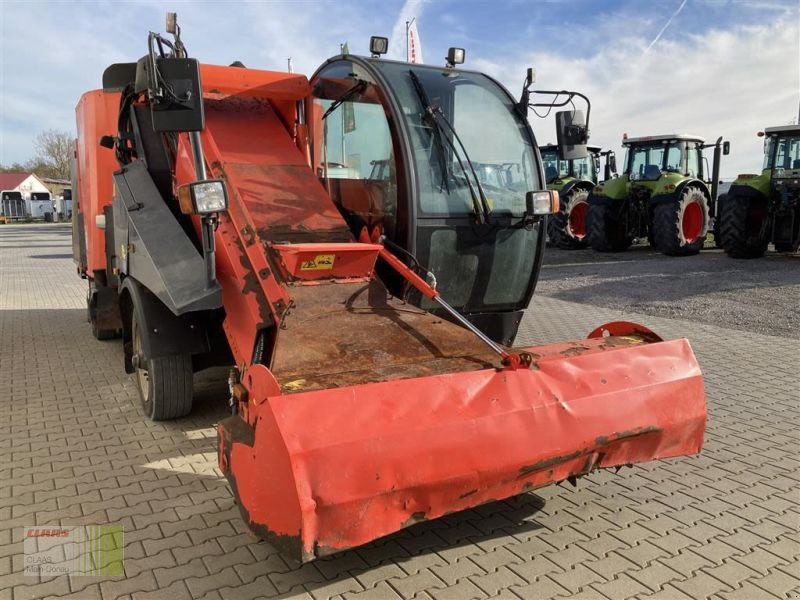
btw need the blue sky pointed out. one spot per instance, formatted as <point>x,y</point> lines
<point>709,67</point>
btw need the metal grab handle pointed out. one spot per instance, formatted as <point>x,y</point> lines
<point>510,360</point>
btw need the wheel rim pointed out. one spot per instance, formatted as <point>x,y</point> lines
<point>142,376</point>
<point>692,222</point>
<point>577,220</point>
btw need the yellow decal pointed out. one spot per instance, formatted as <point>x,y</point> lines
<point>321,262</point>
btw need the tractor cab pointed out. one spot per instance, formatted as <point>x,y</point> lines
<point>559,172</point>
<point>649,158</point>
<point>440,161</point>
<point>782,151</point>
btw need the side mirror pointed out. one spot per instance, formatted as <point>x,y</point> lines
<point>612,163</point>
<point>572,134</point>
<point>726,148</point>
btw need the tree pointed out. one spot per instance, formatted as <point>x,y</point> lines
<point>53,152</point>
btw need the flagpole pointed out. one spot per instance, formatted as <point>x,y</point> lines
<point>408,26</point>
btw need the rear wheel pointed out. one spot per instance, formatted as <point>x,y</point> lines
<point>567,228</point>
<point>743,227</point>
<point>165,383</point>
<point>605,232</point>
<point>680,227</point>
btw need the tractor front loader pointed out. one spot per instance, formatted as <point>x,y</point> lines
<point>574,180</point>
<point>763,209</point>
<point>256,219</point>
<point>662,196</point>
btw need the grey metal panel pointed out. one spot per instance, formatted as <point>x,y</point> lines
<point>158,252</point>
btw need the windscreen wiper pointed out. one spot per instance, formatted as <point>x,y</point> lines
<point>480,206</point>
<point>484,202</point>
<point>359,88</point>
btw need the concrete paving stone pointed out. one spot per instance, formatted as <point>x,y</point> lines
<point>530,570</point>
<point>460,569</point>
<point>169,572</point>
<point>412,584</point>
<point>206,583</point>
<point>174,591</point>
<point>381,591</point>
<point>702,585</point>
<point>185,554</point>
<point>780,583</point>
<point>287,581</point>
<point>134,566</point>
<point>576,578</point>
<point>181,540</point>
<point>463,590</point>
<point>113,590</point>
<point>731,573</point>
<point>541,589</point>
<point>494,582</point>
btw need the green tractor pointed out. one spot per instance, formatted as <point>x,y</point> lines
<point>662,196</point>
<point>759,209</point>
<point>574,181</point>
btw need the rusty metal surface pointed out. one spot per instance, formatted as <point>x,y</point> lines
<point>339,334</point>
<point>404,450</point>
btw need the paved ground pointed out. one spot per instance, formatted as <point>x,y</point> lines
<point>74,450</point>
<point>759,296</point>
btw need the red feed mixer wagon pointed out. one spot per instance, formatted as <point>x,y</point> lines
<point>279,225</point>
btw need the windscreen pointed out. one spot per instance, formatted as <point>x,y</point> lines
<point>783,153</point>
<point>554,167</point>
<point>646,162</point>
<point>494,138</point>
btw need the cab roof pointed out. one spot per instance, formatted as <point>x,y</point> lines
<point>782,129</point>
<point>592,149</point>
<point>663,138</point>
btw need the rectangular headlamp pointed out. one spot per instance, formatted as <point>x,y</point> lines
<point>541,203</point>
<point>203,197</point>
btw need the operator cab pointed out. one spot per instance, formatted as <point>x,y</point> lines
<point>439,160</point>
<point>782,149</point>
<point>647,158</point>
<point>555,168</point>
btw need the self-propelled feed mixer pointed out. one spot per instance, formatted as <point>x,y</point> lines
<point>331,241</point>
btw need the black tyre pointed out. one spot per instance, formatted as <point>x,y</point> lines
<point>680,227</point>
<point>604,231</point>
<point>567,228</point>
<point>165,383</point>
<point>743,227</point>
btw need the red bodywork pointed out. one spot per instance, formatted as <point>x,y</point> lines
<point>359,414</point>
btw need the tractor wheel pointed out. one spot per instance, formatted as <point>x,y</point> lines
<point>743,227</point>
<point>680,227</point>
<point>604,231</point>
<point>567,228</point>
<point>165,383</point>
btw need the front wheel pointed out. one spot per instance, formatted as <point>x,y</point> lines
<point>680,227</point>
<point>567,228</point>
<point>164,383</point>
<point>605,231</point>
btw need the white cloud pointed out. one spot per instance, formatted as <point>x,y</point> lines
<point>726,82</point>
<point>397,41</point>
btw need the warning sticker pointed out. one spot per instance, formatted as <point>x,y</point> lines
<point>321,262</point>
